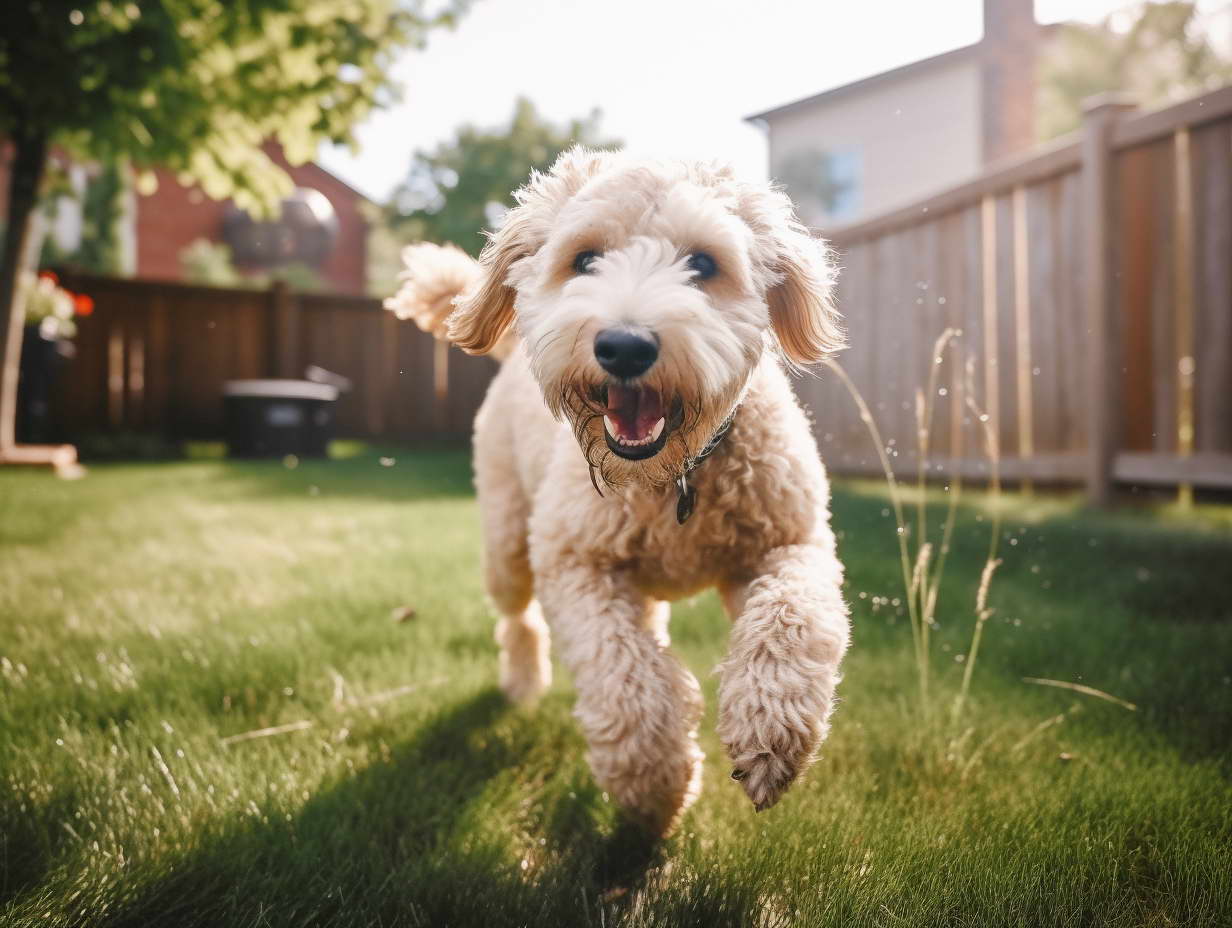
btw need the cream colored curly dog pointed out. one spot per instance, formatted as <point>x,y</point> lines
<point>640,443</point>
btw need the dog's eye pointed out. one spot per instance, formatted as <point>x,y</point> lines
<point>583,262</point>
<point>702,265</point>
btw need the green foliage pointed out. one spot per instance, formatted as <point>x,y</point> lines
<point>384,251</point>
<point>211,264</point>
<point>297,276</point>
<point>463,187</point>
<point>1160,56</point>
<point>198,85</point>
<point>152,610</point>
<point>102,209</point>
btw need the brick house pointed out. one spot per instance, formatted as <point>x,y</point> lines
<point>868,146</point>
<point>158,227</point>
<point>175,216</point>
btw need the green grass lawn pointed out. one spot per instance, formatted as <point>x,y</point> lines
<point>152,611</point>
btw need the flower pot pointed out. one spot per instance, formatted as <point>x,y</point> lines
<point>42,359</point>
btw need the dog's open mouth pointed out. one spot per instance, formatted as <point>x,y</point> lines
<point>636,421</point>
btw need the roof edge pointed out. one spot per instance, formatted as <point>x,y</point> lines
<point>864,83</point>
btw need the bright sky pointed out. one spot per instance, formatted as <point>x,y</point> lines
<point>672,77</point>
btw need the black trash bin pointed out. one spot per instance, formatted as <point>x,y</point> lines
<point>274,418</point>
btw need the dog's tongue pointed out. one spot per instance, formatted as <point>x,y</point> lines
<point>635,411</point>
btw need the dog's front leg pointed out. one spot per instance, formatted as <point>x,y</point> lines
<point>637,705</point>
<point>777,682</point>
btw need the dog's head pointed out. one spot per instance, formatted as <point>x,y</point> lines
<point>645,294</point>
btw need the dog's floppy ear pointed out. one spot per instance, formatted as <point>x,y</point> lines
<point>799,274</point>
<point>484,312</point>
<point>802,313</point>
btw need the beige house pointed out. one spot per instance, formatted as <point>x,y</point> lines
<point>881,142</point>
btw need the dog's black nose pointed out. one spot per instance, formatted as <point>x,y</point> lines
<point>624,354</point>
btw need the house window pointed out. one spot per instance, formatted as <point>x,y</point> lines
<point>842,182</point>
<point>827,186</point>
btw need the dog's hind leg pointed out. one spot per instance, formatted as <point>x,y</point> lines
<point>657,620</point>
<point>525,663</point>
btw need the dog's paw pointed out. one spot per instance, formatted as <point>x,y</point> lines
<point>765,777</point>
<point>525,667</point>
<point>770,743</point>
<point>654,793</point>
<point>523,688</point>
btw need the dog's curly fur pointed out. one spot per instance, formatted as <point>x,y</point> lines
<point>597,570</point>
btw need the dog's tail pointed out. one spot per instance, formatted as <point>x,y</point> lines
<point>435,276</point>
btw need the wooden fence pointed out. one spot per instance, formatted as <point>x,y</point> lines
<point>1092,285</point>
<point>153,357</point>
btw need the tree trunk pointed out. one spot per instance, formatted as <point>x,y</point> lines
<point>29,162</point>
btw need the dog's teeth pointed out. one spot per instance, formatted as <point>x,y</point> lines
<point>614,432</point>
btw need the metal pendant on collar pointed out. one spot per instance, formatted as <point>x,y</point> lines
<point>686,498</point>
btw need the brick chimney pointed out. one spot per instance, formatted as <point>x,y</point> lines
<point>1009,53</point>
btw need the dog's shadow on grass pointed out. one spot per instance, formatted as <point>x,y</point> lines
<point>29,847</point>
<point>409,840</point>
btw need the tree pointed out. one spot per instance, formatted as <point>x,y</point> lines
<point>1160,55</point>
<point>192,85</point>
<point>463,187</point>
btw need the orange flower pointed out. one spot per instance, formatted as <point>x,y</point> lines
<point>84,304</point>
<point>49,275</point>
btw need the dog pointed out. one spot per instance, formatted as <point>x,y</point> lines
<point>641,442</point>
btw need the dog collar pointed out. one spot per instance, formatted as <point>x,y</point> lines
<point>686,496</point>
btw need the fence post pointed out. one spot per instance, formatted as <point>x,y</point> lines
<point>1099,118</point>
<point>286,332</point>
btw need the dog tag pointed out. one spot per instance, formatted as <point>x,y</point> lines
<point>685,501</point>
